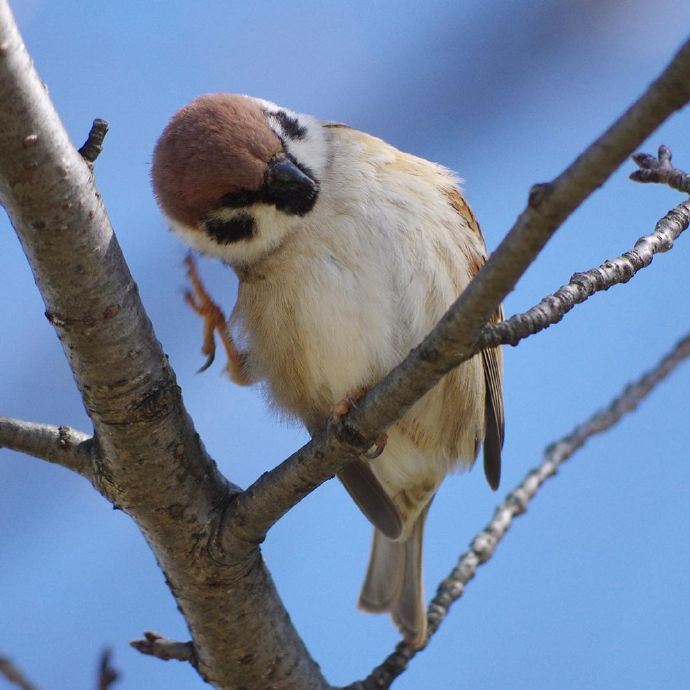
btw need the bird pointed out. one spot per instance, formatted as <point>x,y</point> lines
<point>348,251</point>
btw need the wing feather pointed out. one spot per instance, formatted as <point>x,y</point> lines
<point>495,421</point>
<point>492,360</point>
<point>371,498</point>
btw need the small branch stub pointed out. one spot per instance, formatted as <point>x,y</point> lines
<point>107,675</point>
<point>164,648</point>
<point>94,142</point>
<point>659,169</point>
<point>13,675</point>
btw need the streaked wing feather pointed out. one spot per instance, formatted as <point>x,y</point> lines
<point>491,360</point>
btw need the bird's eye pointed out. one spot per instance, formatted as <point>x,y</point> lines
<point>227,231</point>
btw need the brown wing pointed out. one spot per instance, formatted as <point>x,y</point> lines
<point>491,360</point>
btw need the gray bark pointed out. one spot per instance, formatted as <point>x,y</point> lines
<point>150,461</point>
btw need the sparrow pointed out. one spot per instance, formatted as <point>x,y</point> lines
<point>348,251</point>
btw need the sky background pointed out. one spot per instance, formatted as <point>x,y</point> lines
<point>590,588</point>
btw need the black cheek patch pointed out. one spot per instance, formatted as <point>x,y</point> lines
<point>296,202</point>
<point>239,227</point>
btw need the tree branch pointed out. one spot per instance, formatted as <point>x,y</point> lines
<point>13,675</point>
<point>552,308</point>
<point>150,460</point>
<point>164,648</point>
<point>58,444</point>
<point>483,546</point>
<point>107,675</point>
<point>660,170</point>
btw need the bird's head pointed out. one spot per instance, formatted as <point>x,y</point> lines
<point>232,174</point>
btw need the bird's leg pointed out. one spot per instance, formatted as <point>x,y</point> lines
<point>214,320</point>
<point>342,408</point>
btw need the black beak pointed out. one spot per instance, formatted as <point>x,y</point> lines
<point>290,187</point>
<point>285,175</point>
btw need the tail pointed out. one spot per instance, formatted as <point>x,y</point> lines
<point>394,582</point>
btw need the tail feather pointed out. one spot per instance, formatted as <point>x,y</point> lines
<point>409,613</point>
<point>383,581</point>
<point>394,582</point>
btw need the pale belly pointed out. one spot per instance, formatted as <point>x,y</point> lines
<point>315,340</point>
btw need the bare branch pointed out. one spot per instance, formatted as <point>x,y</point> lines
<point>164,648</point>
<point>583,285</point>
<point>152,462</point>
<point>660,170</point>
<point>14,675</point>
<point>93,145</point>
<point>107,675</point>
<point>58,444</point>
<point>484,544</point>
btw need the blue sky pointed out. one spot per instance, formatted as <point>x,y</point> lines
<point>589,589</point>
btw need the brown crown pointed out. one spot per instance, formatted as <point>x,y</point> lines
<point>218,144</point>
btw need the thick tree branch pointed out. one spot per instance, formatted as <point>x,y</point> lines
<point>483,546</point>
<point>150,460</point>
<point>164,648</point>
<point>58,444</point>
<point>13,675</point>
<point>660,170</point>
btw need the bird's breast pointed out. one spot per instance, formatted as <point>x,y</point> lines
<point>317,329</point>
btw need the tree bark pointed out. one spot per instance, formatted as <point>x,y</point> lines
<point>148,459</point>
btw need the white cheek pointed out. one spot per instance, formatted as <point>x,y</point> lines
<point>313,149</point>
<point>193,237</point>
<point>271,228</point>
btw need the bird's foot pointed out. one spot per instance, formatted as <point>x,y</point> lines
<point>214,321</point>
<point>341,410</point>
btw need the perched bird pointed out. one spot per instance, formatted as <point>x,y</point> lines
<point>348,252</point>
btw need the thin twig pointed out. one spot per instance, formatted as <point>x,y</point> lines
<point>164,648</point>
<point>659,169</point>
<point>484,544</point>
<point>552,308</point>
<point>14,675</point>
<point>61,445</point>
<point>107,675</point>
<point>93,145</point>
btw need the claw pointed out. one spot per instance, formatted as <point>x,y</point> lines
<point>207,363</point>
<point>214,320</point>
<point>378,447</point>
<point>342,408</point>
<point>347,403</point>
